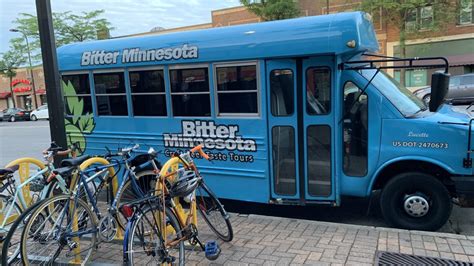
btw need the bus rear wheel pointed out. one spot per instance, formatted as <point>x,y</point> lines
<point>415,201</point>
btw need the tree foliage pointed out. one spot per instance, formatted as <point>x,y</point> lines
<point>398,13</point>
<point>68,28</point>
<point>272,9</point>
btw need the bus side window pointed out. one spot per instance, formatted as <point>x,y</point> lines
<point>110,94</point>
<point>148,93</point>
<point>318,90</point>
<point>237,91</point>
<point>355,133</point>
<point>80,83</point>
<point>190,92</point>
<point>282,91</point>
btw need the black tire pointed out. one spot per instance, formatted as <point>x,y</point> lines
<point>12,118</point>
<point>35,232</point>
<point>213,213</point>
<point>400,188</point>
<point>34,118</point>
<point>135,238</point>
<point>15,232</point>
<point>146,182</point>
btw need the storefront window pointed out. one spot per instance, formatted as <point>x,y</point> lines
<point>466,12</point>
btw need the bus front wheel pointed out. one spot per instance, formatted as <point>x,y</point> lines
<point>415,201</point>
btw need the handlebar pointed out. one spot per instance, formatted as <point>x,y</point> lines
<point>198,148</point>
<point>129,149</point>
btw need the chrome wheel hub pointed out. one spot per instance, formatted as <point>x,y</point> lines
<point>416,206</point>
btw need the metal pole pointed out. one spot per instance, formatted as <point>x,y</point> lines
<point>327,6</point>
<point>31,71</point>
<point>51,74</point>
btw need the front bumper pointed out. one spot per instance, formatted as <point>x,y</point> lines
<point>464,190</point>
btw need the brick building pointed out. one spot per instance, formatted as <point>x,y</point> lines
<point>23,89</point>
<point>456,41</point>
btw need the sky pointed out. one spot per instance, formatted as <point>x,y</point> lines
<point>127,16</point>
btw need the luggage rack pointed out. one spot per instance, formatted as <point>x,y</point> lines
<point>372,64</point>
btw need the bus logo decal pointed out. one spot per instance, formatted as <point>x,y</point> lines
<point>136,55</point>
<point>213,137</point>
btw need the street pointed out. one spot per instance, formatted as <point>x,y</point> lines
<point>28,139</point>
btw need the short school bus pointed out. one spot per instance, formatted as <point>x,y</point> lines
<point>290,112</point>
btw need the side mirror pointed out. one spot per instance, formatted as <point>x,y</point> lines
<point>439,89</point>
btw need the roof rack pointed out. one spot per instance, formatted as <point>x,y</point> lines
<point>372,64</point>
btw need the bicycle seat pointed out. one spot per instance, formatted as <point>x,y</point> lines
<point>74,161</point>
<point>64,171</point>
<point>10,170</point>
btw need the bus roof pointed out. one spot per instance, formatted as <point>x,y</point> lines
<point>317,35</point>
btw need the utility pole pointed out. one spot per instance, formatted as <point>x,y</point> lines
<point>51,73</point>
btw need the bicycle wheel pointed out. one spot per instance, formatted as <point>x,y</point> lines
<point>11,243</point>
<point>213,213</point>
<point>60,232</point>
<point>145,242</point>
<point>146,181</point>
<point>27,166</point>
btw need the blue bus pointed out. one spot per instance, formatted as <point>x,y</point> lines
<point>291,112</point>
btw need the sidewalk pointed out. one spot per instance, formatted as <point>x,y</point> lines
<point>282,241</point>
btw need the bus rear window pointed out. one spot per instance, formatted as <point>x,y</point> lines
<point>190,92</point>
<point>237,91</point>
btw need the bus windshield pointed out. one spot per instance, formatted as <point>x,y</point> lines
<point>407,103</point>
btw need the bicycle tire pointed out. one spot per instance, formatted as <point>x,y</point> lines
<point>173,222</point>
<point>40,233</point>
<point>207,202</point>
<point>6,259</point>
<point>145,182</point>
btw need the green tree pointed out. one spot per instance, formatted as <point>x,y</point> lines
<point>9,62</point>
<point>68,28</point>
<point>413,18</point>
<point>272,9</point>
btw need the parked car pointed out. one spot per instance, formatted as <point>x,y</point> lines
<point>15,114</point>
<point>40,113</point>
<point>1,116</point>
<point>461,90</point>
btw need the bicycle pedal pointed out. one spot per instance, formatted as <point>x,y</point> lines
<point>212,250</point>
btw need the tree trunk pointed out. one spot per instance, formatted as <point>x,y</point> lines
<point>11,92</point>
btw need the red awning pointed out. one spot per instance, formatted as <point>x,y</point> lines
<point>4,95</point>
<point>40,91</point>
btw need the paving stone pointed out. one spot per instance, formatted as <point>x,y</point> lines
<point>261,240</point>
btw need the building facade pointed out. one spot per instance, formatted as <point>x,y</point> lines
<point>455,41</point>
<point>21,92</point>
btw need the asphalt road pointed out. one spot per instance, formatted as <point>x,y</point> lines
<point>22,139</point>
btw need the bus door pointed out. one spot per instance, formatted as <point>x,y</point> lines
<point>300,129</point>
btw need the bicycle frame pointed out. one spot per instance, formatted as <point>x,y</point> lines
<point>18,197</point>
